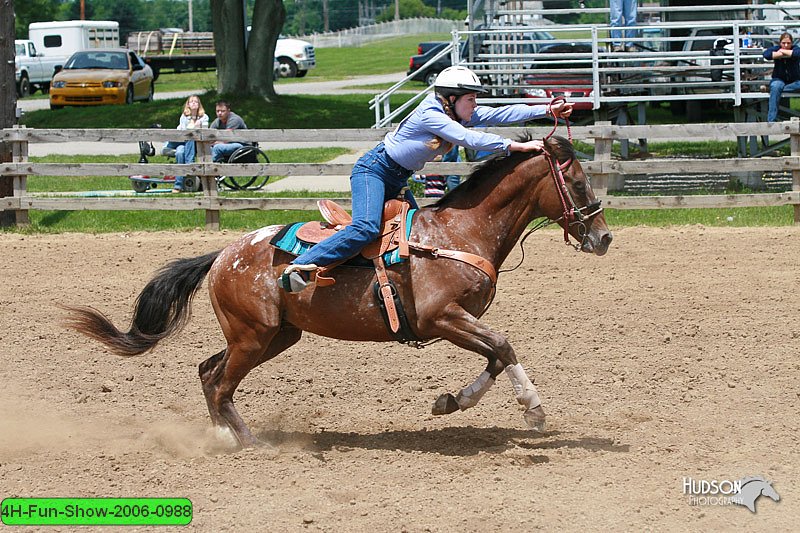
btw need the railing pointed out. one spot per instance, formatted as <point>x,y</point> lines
<point>671,62</point>
<point>603,167</point>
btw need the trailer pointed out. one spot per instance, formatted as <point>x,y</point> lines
<point>194,51</point>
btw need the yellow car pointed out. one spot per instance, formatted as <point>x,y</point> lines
<point>100,77</point>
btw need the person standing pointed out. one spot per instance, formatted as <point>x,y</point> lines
<point>785,74</point>
<point>623,13</point>
<point>226,120</point>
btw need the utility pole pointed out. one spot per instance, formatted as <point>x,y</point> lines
<point>83,9</point>
<point>325,21</point>
<point>191,18</point>
<point>396,9</point>
<point>8,99</point>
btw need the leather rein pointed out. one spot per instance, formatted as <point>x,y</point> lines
<point>572,214</point>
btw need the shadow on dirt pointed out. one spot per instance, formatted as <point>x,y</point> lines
<point>451,441</point>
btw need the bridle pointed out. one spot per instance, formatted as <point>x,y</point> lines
<point>572,215</point>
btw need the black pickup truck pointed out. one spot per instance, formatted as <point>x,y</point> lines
<point>425,52</point>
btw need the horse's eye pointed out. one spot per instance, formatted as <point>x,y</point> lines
<point>580,187</point>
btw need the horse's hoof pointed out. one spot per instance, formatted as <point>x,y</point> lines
<point>535,418</point>
<point>444,405</point>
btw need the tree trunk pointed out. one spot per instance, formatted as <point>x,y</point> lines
<point>8,98</point>
<point>268,19</point>
<point>228,17</point>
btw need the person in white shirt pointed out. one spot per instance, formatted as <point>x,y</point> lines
<point>193,116</point>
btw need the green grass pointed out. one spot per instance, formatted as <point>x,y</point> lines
<point>44,184</point>
<point>121,221</point>
<point>291,111</point>
<point>740,217</point>
<point>380,57</point>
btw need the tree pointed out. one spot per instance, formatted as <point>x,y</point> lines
<point>246,69</point>
<point>408,9</point>
<point>8,100</point>
<point>34,11</point>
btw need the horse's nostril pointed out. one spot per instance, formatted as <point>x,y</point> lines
<point>607,238</point>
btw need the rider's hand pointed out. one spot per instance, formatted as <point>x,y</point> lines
<point>561,109</point>
<point>535,145</point>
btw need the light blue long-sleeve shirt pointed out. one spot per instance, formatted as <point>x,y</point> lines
<point>407,144</point>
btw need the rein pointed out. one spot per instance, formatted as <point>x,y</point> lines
<point>572,214</point>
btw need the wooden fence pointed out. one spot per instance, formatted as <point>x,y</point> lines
<point>602,167</point>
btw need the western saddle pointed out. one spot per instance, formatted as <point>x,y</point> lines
<point>393,235</point>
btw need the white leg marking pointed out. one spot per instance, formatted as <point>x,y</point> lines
<point>523,388</point>
<point>470,396</point>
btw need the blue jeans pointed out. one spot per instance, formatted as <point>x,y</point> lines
<point>776,88</point>
<point>623,9</point>
<point>184,154</point>
<point>173,145</point>
<point>376,178</point>
<point>453,181</point>
<point>221,152</point>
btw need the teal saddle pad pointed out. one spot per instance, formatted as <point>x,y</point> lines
<point>287,240</point>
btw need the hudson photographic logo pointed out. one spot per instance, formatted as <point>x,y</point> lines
<point>743,491</point>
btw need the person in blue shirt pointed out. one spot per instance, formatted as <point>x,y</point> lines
<point>441,121</point>
<point>785,74</point>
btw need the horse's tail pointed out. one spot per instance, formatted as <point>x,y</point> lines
<point>162,308</point>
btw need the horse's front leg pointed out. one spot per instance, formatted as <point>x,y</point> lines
<point>465,331</point>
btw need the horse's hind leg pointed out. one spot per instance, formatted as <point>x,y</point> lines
<point>464,330</point>
<point>222,373</point>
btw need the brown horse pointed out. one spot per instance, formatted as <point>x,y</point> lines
<point>442,297</point>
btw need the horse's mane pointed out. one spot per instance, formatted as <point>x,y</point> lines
<point>560,147</point>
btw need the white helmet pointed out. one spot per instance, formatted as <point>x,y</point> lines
<point>458,80</point>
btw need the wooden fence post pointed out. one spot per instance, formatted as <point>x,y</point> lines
<point>795,149</point>
<point>203,156</point>
<point>19,154</point>
<point>602,152</point>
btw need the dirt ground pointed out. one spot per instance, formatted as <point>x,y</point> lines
<point>676,355</point>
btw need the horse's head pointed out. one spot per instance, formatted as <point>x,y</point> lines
<point>574,205</point>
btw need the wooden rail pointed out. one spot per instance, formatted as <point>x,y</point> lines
<point>602,168</point>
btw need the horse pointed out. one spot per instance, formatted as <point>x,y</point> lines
<point>443,297</point>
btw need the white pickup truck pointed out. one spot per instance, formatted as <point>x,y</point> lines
<point>32,70</point>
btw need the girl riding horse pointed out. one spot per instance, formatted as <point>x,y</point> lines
<point>438,123</point>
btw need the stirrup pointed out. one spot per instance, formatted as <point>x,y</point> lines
<point>296,277</point>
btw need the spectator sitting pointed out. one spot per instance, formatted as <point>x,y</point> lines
<point>226,120</point>
<point>785,74</point>
<point>194,116</point>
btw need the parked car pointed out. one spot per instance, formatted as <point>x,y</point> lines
<point>428,74</point>
<point>422,48</point>
<point>101,77</point>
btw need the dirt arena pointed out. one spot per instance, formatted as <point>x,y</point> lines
<point>676,355</point>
